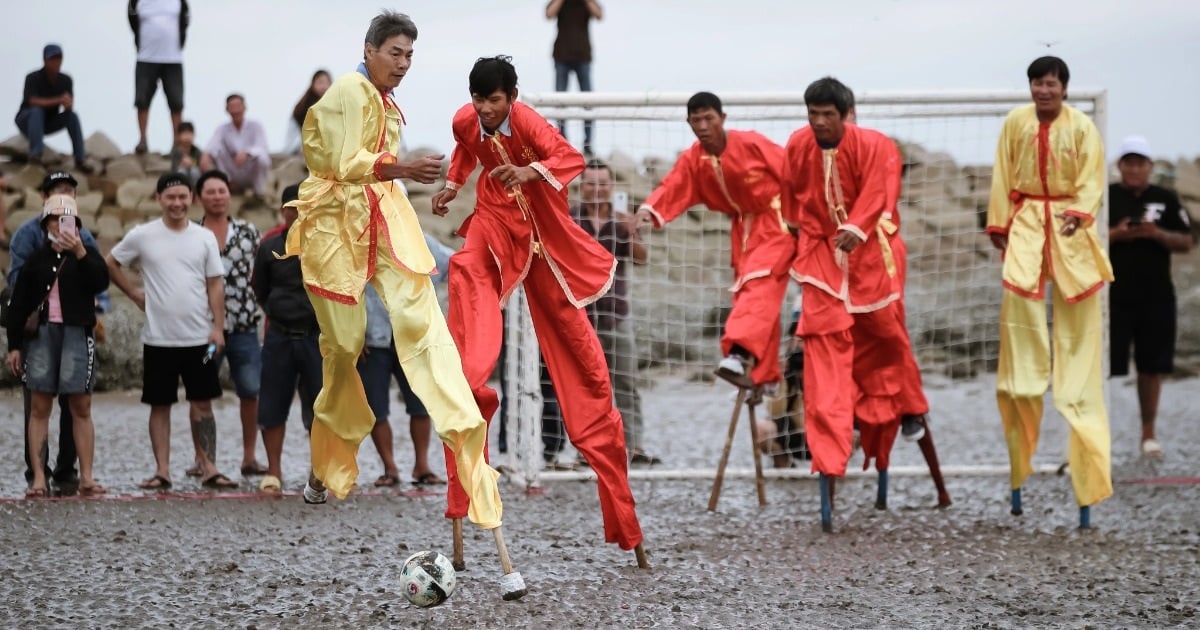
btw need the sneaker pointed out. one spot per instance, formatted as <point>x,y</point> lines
<point>312,496</point>
<point>736,369</point>
<point>141,148</point>
<point>912,428</point>
<point>1151,448</point>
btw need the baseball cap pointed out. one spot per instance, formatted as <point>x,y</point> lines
<point>59,205</point>
<point>1135,145</point>
<point>54,177</point>
<point>168,180</point>
<point>291,194</point>
<point>51,50</point>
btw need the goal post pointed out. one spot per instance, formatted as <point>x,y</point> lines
<point>679,299</point>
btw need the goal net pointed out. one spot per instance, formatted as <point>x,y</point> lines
<point>679,299</point>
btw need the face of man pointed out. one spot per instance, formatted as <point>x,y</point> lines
<point>54,65</point>
<point>596,186</point>
<point>1048,94</point>
<point>493,108</point>
<point>174,202</point>
<point>236,108</point>
<point>214,197</point>
<point>827,123</point>
<point>388,64</point>
<point>289,215</point>
<point>708,125</point>
<point>1135,171</point>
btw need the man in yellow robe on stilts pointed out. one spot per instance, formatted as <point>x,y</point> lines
<point>1047,193</point>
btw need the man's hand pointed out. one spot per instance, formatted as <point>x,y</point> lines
<point>511,175</point>
<point>1070,224</point>
<point>846,241</point>
<point>206,162</point>
<point>14,362</point>
<point>241,158</point>
<point>217,336</point>
<point>643,217</point>
<point>999,241</point>
<point>441,201</point>
<point>427,169</point>
<point>630,223</point>
<point>67,101</point>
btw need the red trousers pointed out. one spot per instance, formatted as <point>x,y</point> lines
<point>857,366</point>
<point>577,367</point>
<point>754,324</point>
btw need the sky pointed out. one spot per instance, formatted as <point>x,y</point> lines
<point>1140,52</point>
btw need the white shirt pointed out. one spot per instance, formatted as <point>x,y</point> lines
<point>176,267</point>
<point>228,141</point>
<point>158,31</point>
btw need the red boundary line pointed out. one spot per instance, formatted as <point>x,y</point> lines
<point>161,496</point>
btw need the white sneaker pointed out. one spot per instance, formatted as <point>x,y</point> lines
<point>735,369</point>
<point>732,364</point>
<point>1151,448</point>
<point>312,496</point>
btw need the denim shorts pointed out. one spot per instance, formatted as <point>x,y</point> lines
<point>376,370</point>
<point>245,362</point>
<point>61,360</point>
<point>292,363</point>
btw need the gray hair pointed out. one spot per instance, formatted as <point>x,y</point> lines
<point>389,24</point>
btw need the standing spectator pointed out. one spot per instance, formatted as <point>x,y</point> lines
<point>159,31</point>
<point>1146,225</point>
<point>237,241</point>
<point>185,155</point>
<point>573,51</point>
<point>291,354</point>
<point>239,148</point>
<point>184,302</point>
<point>48,106</point>
<point>59,356</point>
<point>321,80</point>
<point>26,241</point>
<point>3,211</point>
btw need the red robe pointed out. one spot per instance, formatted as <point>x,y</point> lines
<point>744,183</point>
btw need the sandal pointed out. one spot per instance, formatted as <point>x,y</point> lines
<point>219,482</point>
<point>254,469</point>
<point>35,493</point>
<point>157,482</point>
<point>428,479</point>
<point>92,490</point>
<point>387,481</point>
<point>270,484</point>
<point>194,471</point>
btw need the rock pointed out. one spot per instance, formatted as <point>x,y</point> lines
<point>109,226</point>
<point>155,164</point>
<point>101,147</point>
<point>89,203</point>
<point>105,186</point>
<point>16,147</point>
<point>135,191</point>
<point>28,176</point>
<point>125,167</point>
<point>18,218</point>
<point>119,358</point>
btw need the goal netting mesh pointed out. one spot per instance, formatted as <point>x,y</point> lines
<point>679,299</point>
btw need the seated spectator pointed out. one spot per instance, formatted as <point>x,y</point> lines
<point>58,355</point>
<point>185,155</point>
<point>291,355</point>
<point>239,149</point>
<point>321,80</point>
<point>48,106</point>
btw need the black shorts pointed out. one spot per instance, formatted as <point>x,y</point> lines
<point>1150,328</point>
<point>145,83</point>
<point>163,367</point>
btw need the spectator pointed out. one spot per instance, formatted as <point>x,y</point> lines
<point>3,211</point>
<point>184,302</point>
<point>59,355</point>
<point>26,241</point>
<point>237,241</point>
<point>159,31</point>
<point>239,148</point>
<point>185,155</point>
<point>291,355</point>
<point>48,106</point>
<point>321,80</point>
<point>1146,225</point>
<point>573,51</point>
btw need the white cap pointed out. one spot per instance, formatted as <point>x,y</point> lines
<point>1137,145</point>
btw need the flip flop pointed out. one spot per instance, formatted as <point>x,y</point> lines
<point>35,493</point>
<point>157,482</point>
<point>254,470</point>
<point>270,484</point>
<point>219,482</point>
<point>194,471</point>
<point>92,490</point>
<point>429,479</point>
<point>387,481</point>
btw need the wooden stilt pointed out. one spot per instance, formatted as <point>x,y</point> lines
<point>720,478</point>
<point>512,585</point>
<point>760,480</point>
<point>457,559</point>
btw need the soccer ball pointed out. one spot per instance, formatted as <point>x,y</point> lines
<point>427,578</point>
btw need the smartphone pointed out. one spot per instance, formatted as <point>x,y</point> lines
<point>620,202</point>
<point>67,225</point>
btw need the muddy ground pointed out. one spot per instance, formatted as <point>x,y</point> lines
<point>194,559</point>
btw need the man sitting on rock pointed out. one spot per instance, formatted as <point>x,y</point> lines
<point>239,149</point>
<point>48,106</point>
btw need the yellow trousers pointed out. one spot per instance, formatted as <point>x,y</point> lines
<point>1025,371</point>
<point>341,415</point>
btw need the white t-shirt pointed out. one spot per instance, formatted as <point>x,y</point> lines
<point>175,269</point>
<point>158,31</point>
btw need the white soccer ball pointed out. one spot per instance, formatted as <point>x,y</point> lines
<point>427,578</point>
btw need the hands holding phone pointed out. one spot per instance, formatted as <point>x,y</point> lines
<point>67,239</point>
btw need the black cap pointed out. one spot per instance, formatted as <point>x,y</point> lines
<point>54,177</point>
<point>290,194</point>
<point>168,180</point>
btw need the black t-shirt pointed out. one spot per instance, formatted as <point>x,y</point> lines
<point>573,43</point>
<point>613,236</point>
<point>38,85</point>
<point>1143,267</point>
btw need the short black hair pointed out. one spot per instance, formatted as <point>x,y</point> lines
<point>213,174</point>
<point>185,126</point>
<point>829,91</point>
<point>704,100</point>
<point>1043,66</point>
<point>291,193</point>
<point>230,98</point>
<point>167,180</point>
<point>493,73</point>
<point>597,163</point>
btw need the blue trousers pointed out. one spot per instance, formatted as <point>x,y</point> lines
<point>35,124</point>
